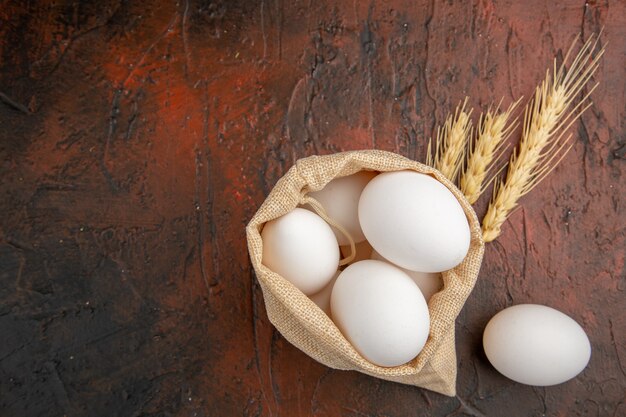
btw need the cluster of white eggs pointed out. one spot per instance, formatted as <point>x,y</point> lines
<point>408,228</point>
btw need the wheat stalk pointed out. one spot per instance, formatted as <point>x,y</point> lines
<point>493,131</point>
<point>451,143</point>
<point>543,144</point>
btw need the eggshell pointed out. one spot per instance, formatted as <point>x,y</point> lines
<point>381,311</point>
<point>322,298</point>
<point>536,345</point>
<point>363,251</point>
<point>340,199</point>
<point>414,221</point>
<point>428,282</point>
<point>301,247</point>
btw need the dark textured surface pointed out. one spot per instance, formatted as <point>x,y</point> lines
<point>138,138</point>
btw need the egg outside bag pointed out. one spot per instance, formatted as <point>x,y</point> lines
<point>304,325</point>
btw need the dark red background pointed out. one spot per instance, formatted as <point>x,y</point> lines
<point>138,138</point>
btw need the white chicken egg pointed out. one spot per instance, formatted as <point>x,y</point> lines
<point>301,247</point>
<point>340,199</point>
<point>381,312</point>
<point>536,345</point>
<point>428,282</point>
<point>414,221</point>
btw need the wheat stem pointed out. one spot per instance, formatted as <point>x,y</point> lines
<point>493,131</point>
<point>542,147</point>
<point>452,141</point>
<point>429,154</point>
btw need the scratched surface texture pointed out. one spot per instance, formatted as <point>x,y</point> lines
<point>137,138</point>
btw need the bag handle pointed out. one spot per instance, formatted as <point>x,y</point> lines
<point>305,199</point>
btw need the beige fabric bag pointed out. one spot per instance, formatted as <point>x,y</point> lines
<point>303,324</point>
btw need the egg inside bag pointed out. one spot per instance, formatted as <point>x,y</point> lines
<point>381,311</point>
<point>340,199</point>
<point>356,313</point>
<point>414,221</point>
<point>302,248</point>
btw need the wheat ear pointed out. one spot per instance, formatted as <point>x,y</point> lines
<point>451,142</point>
<point>543,145</point>
<point>494,128</point>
